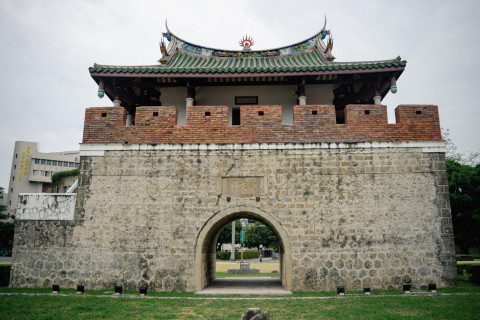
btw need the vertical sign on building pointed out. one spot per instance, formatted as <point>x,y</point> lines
<point>24,163</point>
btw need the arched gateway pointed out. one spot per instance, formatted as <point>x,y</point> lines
<point>210,135</point>
<point>206,240</point>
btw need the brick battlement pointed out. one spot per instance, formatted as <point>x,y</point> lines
<point>262,124</point>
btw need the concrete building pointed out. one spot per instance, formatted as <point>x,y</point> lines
<point>32,171</point>
<point>3,198</point>
<point>210,136</point>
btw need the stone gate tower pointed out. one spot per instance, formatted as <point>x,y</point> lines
<point>286,136</point>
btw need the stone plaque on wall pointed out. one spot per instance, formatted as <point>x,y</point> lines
<point>242,186</point>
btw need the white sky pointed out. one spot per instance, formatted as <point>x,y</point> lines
<point>46,48</point>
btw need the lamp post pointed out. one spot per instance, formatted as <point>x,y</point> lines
<point>261,253</point>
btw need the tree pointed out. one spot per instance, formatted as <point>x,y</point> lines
<point>259,234</point>
<point>225,235</point>
<point>6,231</point>
<point>470,158</point>
<point>464,185</point>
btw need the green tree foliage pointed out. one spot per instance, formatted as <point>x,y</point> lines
<point>464,185</point>
<point>6,231</point>
<point>226,234</point>
<point>61,174</point>
<point>259,234</point>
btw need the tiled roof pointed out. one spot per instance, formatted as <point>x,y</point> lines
<point>184,63</point>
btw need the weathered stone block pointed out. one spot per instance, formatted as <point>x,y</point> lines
<point>148,216</point>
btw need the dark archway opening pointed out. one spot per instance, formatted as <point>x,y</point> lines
<point>206,247</point>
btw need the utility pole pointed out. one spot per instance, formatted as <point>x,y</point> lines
<point>232,254</point>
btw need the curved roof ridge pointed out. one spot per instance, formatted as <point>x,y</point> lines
<point>233,50</point>
<point>133,66</point>
<point>397,59</point>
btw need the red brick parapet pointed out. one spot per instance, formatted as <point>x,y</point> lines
<point>262,124</point>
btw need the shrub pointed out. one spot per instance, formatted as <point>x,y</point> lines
<point>468,267</point>
<point>4,275</point>
<point>476,273</point>
<point>57,176</point>
<point>225,255</point>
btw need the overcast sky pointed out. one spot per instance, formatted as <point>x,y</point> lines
<point>46,48</point>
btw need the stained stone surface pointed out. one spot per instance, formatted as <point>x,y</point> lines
<point>354,217</point>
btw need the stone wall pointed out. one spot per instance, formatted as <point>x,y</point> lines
<point>45,206</point>
<point>356,215</point>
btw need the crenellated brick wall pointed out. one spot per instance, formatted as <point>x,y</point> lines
<point>262,124</point>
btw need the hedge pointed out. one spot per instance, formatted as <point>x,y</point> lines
<point>225,255</point>
<point>468,267</point>
<point>476,273</point>
<point>4,274</point>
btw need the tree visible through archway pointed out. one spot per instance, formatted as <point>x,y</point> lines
<point>257,236</point>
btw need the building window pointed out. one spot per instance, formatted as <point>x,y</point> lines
<point>65,188</point>
<point>235,116</point>
<point>16,155</point>
<point>54,162</point>
<point>44,161</point>
<point>71,164</point>
<point>14,166</point>
<point>65,164</point>
<point>37,161</point>
<point>47,173</point>
<point>49,162</point>
<point>11,190</point>
<point>77,165</point>
<point>10,202</point>
<point>60,163</point>
<point>76,159</point>
<point>246,100</point>
<point>13,178</point>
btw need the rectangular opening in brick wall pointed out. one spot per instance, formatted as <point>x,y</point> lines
<point>207,114</point>
<point>419,112</point>
<point>340,116</point>
<point>367,111</point>
<point>104,114</point>
<point>246,100</point>
<point>314,112</point>
<point>261,113</point>
<point>155,114</point>
<point>235,116</point>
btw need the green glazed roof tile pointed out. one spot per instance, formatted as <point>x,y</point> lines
<point>305,61</point>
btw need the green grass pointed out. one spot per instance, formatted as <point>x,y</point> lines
<point>228,275</point>
<point>92,305</point>
<point>74,307</point>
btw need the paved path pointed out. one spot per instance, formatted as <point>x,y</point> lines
<point>246,285</point>
<point>5,259</point>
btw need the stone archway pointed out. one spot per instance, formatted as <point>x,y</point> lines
<point>208,234</point>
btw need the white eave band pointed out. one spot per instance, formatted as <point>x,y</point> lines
<point>98,150</point>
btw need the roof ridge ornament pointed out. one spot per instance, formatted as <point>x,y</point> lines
<point>324,32</point>
<point>246,42</point>
<point>328,50</point>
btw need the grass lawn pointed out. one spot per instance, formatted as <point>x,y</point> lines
<point>301,305</point>
<point>75,307</point>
